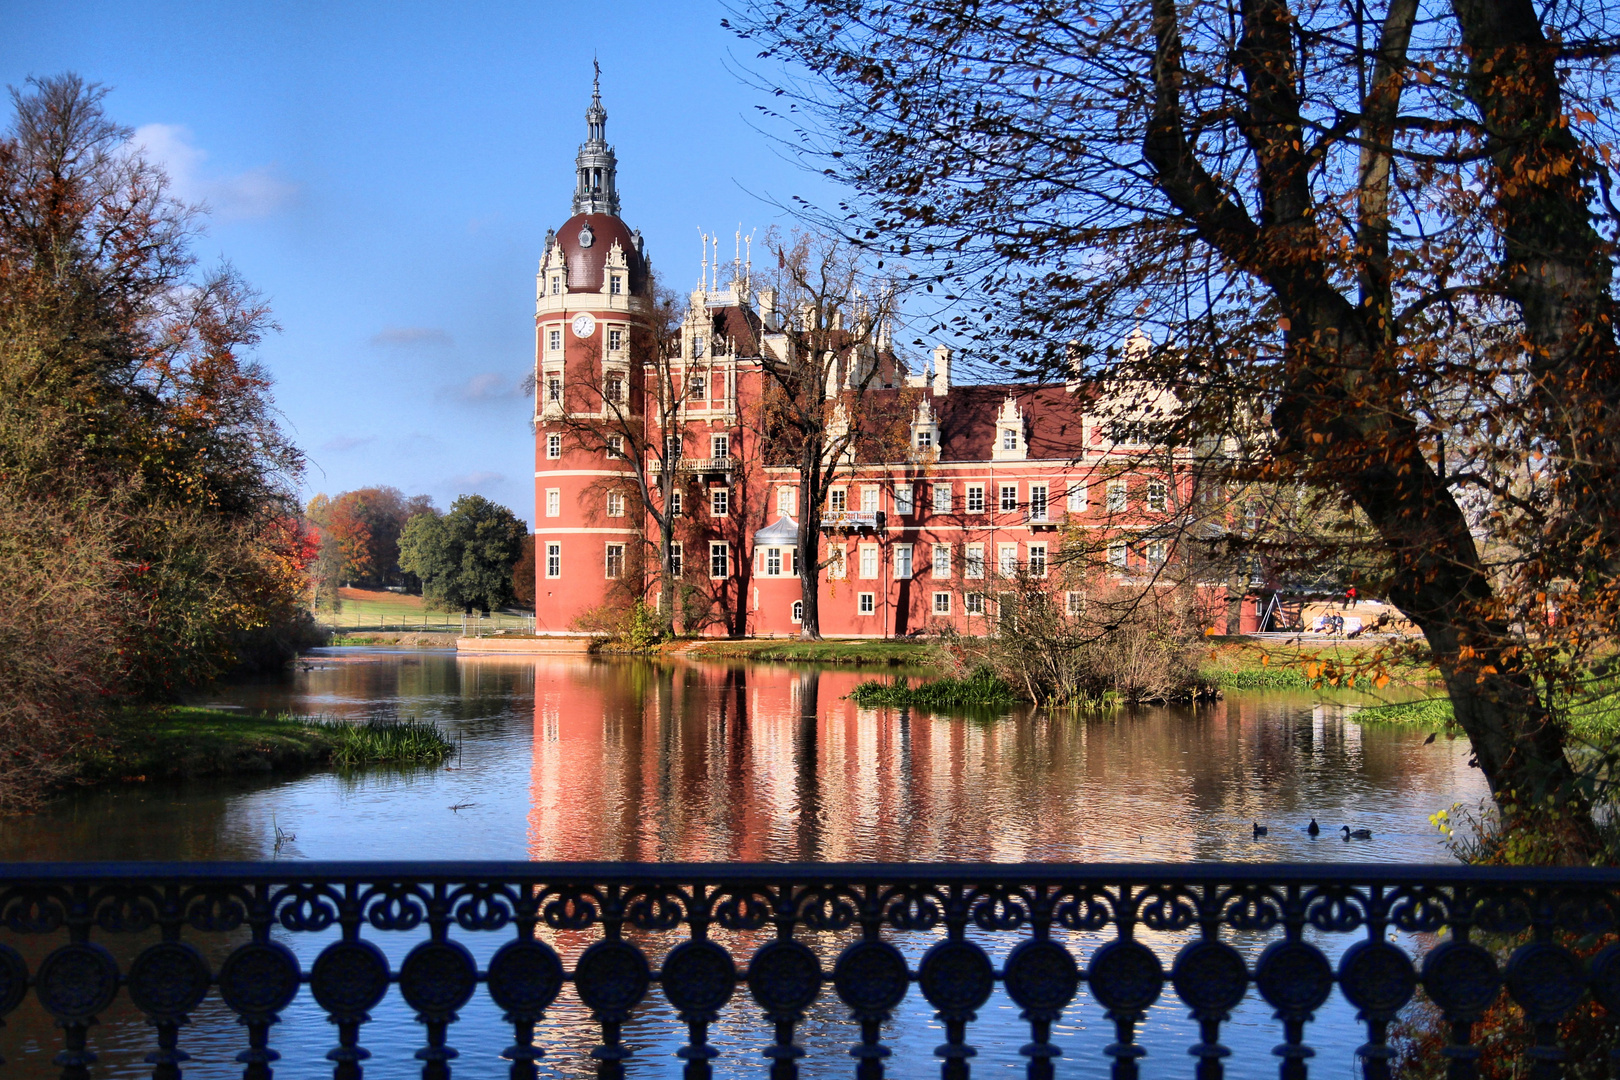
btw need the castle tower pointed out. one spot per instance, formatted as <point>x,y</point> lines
<point>590,291</point>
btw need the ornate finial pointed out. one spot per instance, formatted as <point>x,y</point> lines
<point>596,187</point>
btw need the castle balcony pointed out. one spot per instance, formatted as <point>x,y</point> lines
<point>853,521</point>
<point>579,966</point>
<point>713,466</point>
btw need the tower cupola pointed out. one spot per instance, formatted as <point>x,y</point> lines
<point>596,189</point>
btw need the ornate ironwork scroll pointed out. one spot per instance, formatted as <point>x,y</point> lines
<point>621,941</point>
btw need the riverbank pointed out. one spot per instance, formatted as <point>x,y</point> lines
<point>863,651</point>
<point>412,640</point>
<point>177,743</point>
<point>1303,664</point>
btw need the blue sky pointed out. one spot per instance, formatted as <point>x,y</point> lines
<point>385,174</point>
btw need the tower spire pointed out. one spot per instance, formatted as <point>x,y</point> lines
<point>596,186</point>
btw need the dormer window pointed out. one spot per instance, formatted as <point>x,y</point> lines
<point>616,284</point>
<point>1009,439</point>
<point>556,284</point>
<point>925,440</point>
<point>697,346</point>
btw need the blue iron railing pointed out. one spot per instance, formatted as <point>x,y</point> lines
<point>772,939</point>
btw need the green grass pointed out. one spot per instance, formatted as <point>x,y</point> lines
<point>1428,712</point>
<point>1595,718</point>
<point>178,742</point>
<point>982,689</point>
<point>830,651</point>
<point>378,609</point>
<point>1307,665</point>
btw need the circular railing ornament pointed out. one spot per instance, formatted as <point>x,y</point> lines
<point>698,978</point>
<point>168,980</point>
<point>956,977</point>
<point>1294,978</point>
<point>1547,981</point>
<point>611,979</point>
<point>259,979</point>
<point>1377,979</point>
<point>525,977</point>
<point>1125,976</point>
<point>784,976</point>
<point>349,979</point>
<point>77,981</point>
<point>13,979</point>
<point>1461,978</point>
<point>438,978</point>
<point>1041,977</point>
<point>1604,976</point>
<point>871,978</point>
<point>1210,977</point>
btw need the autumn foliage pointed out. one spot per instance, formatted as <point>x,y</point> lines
<point>148,540</point>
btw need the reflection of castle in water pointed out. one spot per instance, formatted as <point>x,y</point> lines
<point>710,762</point>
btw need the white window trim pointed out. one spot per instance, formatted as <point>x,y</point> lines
<point>866,603</point>
<point>904,553</point>
<point>553,502</point>
<point>940,567</point>
<point>553,549</point>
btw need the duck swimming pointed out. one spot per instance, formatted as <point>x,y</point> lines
<point>1259,830</point>
<point>1356,834</point>
<point>1313,828</point>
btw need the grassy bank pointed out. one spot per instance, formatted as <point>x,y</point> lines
<point>1594,719</point>
<point>178,742</point>
<point>830,651</point>
<point>1236,664</point>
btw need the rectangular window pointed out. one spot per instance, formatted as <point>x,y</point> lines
<point>719,559</point>
<point>869,500</point>
<point>556,284</point>
<point>615,560</point>
<point>554,340</point>
<point>973,561</point>
<point>720,502</point>
<point>675,555</point>
<point>1077,497</point>
<point>1074,604</point>
<point>553,560</point>
<point>1158,495</point>
<point>553,446</point>
<point>1116,496</point>
<point>1007,560</point>
<point>1009,497</point>
<point>925,439</point>
<point>787,501</point>
<point>554,388</point>
<point>773,562</point>
<point>902,562</point>
<point>1009,439</point>
<point>719,446</point>
<point>836,500</point>
<point>615,504</point>
<point>615,338</point>
<point>616,285</point>
<point>973,603</point>
<point>615,446</point>
<point>942,498</point>
<point>867,603</point>
<point>1156,551</point>
<point>614,389</point>
<point>697,387</point>
<point>675,501</point>
<point>553,502</point>
<point>1118,555</point>
<point>975,498</point>
<point>1037,502</point>
<point>942,560</point>
<point>835,562</point>
<point>672,448</point>
<point>902,500</point>
<point>942,603</point>
<point>1037,560</point>
<point>869,560</point>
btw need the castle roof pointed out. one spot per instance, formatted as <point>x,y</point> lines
<point>587,262</point>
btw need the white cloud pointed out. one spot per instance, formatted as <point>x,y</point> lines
<point>487,386</point>
<point>347,442</point>
<point>411,336</point>
<point>474,480</point>
<point>255,193</point>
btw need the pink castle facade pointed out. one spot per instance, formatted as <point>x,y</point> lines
<point>993,480</point>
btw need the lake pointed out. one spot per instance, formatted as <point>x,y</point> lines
<point>585,758</point>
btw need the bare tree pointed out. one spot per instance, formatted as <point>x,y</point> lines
<point>828,344</point>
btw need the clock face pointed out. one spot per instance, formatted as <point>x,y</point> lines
<point>584,326</point>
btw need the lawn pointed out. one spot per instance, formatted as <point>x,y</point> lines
<point>829,651</point>
<point>378,609</point>
<point>1303,664</point>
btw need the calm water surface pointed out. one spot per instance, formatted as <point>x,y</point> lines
<point>577,758</point>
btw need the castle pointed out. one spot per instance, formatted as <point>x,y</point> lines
<point>988,481</point>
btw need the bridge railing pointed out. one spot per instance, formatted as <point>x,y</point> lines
<point>857,944</point>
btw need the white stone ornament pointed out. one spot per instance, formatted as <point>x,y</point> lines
<point>584,326</point>
<point>586,237</point>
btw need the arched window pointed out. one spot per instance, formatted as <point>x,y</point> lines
<point>798,611</point>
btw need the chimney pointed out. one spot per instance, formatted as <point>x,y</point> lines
<point>767,308</point>
<point>942,371</point>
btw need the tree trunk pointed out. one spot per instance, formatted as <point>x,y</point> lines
<point>809,556</point>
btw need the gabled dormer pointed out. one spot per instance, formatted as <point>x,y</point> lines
<point>1010,444</point>
<point>551,283</point>
<point>924,432</point>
